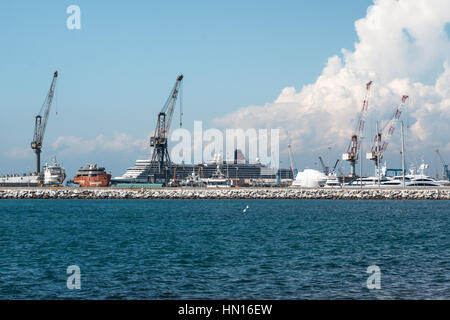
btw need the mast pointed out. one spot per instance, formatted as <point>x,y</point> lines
<point>378,156</point>
<point>361,162</point>
<point>403,153</point>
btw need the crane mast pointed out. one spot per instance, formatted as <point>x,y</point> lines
<point>41,123</point>
<point>291,159</point>
<point>355,143</point>
<point>446,173</point>
<point>380,145</point>
<point>161,164</point>
<point>325,168</point>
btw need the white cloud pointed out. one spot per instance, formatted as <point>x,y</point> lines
<point>403,48</point>
<point>18,153</point>
<point>121,142</point>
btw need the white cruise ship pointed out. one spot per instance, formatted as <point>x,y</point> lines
<point>136,174</point>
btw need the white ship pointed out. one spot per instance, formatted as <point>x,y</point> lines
<point>136,174</point>
<point>415,178</point>
<point>17,180</point>
<point>193,180</point>
<point>54,174</point>
<point>332,181</point>
<point>218,180</point>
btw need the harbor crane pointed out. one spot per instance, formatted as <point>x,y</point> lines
<point>446,174</point>
<point>355,143</point>
<point>41,123</point>
<point>291,159</point>
<point>333,171</point>
<point>161,163</point>
<point>383,138</point>
<point>326,169</point>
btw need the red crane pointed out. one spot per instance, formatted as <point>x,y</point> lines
<point>355,143</point>
<point>383,138</point>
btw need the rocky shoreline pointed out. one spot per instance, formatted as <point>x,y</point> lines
<point>231,193</point>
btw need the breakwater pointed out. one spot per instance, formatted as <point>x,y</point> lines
<point>226,193</point>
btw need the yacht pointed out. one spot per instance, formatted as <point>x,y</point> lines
<point>218,180</point>
<point>332,181</point>
<point>415,178</point>
<point>193,180</point>
<point>370,181</point>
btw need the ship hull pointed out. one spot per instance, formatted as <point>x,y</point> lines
<point>93,182</point>
<point>19,184</point>
<point>21,181</point>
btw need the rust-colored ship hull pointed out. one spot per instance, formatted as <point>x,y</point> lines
<point>97,181</point>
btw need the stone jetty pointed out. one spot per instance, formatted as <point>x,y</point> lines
<point>225,193</point>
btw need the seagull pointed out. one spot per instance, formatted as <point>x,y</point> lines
<point>245,210</point>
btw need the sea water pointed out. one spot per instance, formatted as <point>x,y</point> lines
<point>212,249</point>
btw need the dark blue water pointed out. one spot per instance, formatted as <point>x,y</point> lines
<point>194,249</point>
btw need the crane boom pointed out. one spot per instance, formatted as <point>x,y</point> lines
<point>326,169</point>
<point>444,166</point>
<point>160,154</point>
<point>291,159</point>
<point>380,146</point>
<point>41,123</point>
<point>334,167</point>
<point>355,143</point>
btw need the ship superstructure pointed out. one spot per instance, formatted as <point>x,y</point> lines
<point>54,174</point>
<point>92,176</point>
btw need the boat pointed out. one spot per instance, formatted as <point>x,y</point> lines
<point>193,180</point>
<point>92,176</point>
<point>139,173</point>
<point>54,174</point>
<point>415,178</point>
<point>332,181</point>
<point>21,180</point>
<point>218,180</point>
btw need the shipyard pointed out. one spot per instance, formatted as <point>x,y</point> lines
<point>159,171</point>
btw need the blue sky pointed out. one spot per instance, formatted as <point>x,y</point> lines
<point>116,72</point>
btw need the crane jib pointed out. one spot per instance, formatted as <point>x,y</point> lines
<point>41,122</point>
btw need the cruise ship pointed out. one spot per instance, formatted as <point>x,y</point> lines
<point>236,169</point>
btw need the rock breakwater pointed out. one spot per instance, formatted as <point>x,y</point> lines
<point>229,193</point>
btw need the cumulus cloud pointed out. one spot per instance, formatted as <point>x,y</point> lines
<point>18,153</point>
<point>404,48</point>
<point>121,142</point>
